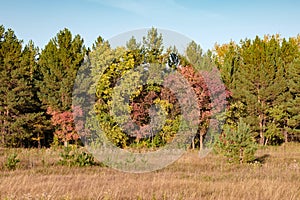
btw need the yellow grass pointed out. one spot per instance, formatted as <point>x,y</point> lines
<point>38,177</point>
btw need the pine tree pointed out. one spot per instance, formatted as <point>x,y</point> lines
<point>132,44</point>
<point>59,63</point>
<point>39,126</point>
<point>194,54</point>
<point>257,83</point>
<point>236,143</point>
<point>19,109</point>
<point>153,46</point>
<point>294,102</point>
<point>227,61</point>
<point>256,71</point>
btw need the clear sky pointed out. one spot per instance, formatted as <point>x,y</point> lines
<point>205,21</point>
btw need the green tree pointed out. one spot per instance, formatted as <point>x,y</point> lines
<point>19,109</point>
<point>258,72</point>
<point>59,63</point>
<point>106,72</point>
<point>194,54</point>
<point>227,60</point>
<point>237,143</point>
<point>39,127</point>
<point>293,107</point>
<point>109,66</point>
<point>256,79</point>
<point>153,46</point>
<point>280,114</point>
<point>132,44</point>
<point>101,56</point>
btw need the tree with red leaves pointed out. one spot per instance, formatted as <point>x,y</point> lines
<point>64,125</point>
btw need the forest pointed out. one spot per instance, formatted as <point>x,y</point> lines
<point>261,78</point>
<point>239,99</point>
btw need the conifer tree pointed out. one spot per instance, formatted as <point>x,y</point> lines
<point>59,63</point>
<point>194,54</point>
<point>293,105</point>
<point>256,80</point>
<point>132,44</point>
<point>256,71</point>
<point>153,45</point>
<point>19,109</point>
<point>236,143</point>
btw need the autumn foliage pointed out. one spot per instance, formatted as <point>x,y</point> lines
<point>64,125</point>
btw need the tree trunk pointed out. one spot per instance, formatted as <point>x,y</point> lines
<point>193,143</point>
<point>39,141</point>
<point>261,118</point>
<point>266,142</point>
<point>2,134</point>
<point>261,130</point>
<point>201,142</point>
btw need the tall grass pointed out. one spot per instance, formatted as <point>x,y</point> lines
<point>274,175</point>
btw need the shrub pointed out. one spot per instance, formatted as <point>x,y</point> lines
<point>236,143</point>
<point>12,161</point>
<point>72,156</point>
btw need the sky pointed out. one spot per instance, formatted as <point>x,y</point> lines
<point>205,21</point>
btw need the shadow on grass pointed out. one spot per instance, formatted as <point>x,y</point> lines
<point>261,159</point>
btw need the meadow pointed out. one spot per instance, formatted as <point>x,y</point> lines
<point>274,175</point>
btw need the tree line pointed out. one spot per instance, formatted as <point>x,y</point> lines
<point>261,78</point>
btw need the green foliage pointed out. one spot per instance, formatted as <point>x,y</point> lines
<point>258,74</point>
<point>226,60</point>
<point>262,74</point>
<point>236,111</point>
<point>72,156</point>
<point>20,115</point>
<point>153,46</point>
<point>273,134</point>
<point>124,95</point>
<point>108,73</point>
<point>236,143</point>
<point>194,54</point>
<point>132,44</point>
<point>293,108</point>
<point>12,161</point>
<point>59,62</point>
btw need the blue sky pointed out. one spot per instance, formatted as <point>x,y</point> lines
<point>205,21</point>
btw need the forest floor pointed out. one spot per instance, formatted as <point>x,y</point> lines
<point>275,175</point>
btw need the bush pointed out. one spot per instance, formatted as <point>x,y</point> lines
<point>72,156</point>
<point>236,143</point>
<point>12,161</point>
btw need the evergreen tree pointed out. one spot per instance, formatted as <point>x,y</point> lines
<point>19,109</point>
<point>59,63</point>
<point>280,114</point>
<point>227,60</point>
<point>153,46</point>
<point>256,71</point>
<point>293,105</point>
<point>132,44</point>
<point>194,54</point>
<point>257,81</point>
<point>236,143</point>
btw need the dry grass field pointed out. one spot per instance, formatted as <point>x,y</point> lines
<point>276,175</point>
